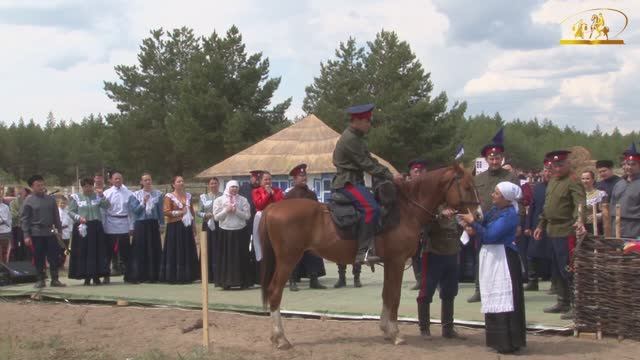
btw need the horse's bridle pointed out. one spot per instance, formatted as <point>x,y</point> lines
<point>456,180</point>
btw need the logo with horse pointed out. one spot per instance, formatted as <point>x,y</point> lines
<point>602,22</point>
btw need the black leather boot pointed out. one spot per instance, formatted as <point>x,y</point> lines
<point>424,317</point>
<point>532,285</point>
<point>55,282</point>
<point>342,279</point>
<point>562,301</point>
<point>447,320</point>
<point>475,297</point>
<point>40,283</point>
<point>314,283</point>
<point>356,280</point>
<point>553,290</point>
<point>366,239</point>
<point>293,286</point>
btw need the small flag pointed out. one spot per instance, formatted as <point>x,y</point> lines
<point>459,152</point>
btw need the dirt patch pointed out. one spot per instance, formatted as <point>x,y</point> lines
<point>95,332</point>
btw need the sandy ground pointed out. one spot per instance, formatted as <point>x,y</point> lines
<point>44,330</point>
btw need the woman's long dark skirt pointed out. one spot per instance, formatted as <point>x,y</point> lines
<point>213,248</point>
<point>309,264</point>
<point>145,252</point>
<point>89,254</point>
<point>506,332</point>
<point>179,262</point>
<point>234,267</point>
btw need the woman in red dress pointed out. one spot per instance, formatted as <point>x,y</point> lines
<point>263,196</point>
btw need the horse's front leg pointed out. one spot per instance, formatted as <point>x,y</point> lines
<point>393,271</point>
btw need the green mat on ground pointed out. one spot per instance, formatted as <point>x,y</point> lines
<point>346,301</point>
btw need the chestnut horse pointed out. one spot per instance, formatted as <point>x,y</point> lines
<point>288,228</point>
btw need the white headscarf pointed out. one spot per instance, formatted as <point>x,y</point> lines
<point>511,192</point>
<point>227,191</point>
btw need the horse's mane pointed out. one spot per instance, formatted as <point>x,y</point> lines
<point>433,175</point>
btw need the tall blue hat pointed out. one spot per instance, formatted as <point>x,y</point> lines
<point>496,146</point>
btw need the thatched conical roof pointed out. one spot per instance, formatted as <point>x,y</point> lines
<point>308,141</point>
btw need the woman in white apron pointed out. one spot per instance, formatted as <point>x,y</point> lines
<point>501,270</point>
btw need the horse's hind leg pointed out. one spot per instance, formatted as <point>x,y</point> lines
<point>391,301</point>
<point>276,287</point>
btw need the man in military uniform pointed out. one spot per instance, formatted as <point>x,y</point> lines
<point>538,252</point>
<point>351,158</point>
<point>607,178</point>
<point>440,271</point>
<point>311,265</point>
<point>626,193</point>
<point>486,182</point>
<point>559,218</point>
<point>417,168</point>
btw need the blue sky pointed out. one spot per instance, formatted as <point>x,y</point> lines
<point>499,56</point>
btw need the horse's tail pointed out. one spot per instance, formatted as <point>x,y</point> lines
<point>268,263</point>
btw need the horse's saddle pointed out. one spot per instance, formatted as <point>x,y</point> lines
<point>347,218</point>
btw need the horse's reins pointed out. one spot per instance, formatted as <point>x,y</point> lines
<point>455,180</point>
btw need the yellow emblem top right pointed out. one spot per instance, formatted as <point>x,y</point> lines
<point>577,31</point>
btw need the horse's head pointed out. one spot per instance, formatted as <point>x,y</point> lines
<point>459,190</point>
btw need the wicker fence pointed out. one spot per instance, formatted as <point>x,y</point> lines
<point>607,284</point>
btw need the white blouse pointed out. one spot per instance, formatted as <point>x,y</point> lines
<point>231,221</point>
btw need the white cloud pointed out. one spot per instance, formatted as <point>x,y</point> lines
<point>500,56</point>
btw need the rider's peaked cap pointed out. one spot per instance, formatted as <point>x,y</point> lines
<point>361,111</point>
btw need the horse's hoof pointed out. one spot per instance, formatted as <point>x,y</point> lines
<point>284,345</point>
<point>399,341</point>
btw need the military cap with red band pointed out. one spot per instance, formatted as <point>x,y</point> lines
<point>299,170</point>
<point>417,164</point>
<point>496,147</point>
<point>631,154</point>
<point>364,111</point>
<point>558,155</point>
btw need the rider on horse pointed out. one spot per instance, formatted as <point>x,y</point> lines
<point>352,158</point>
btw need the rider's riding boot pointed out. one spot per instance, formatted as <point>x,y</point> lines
<point>366,237</point>
<point>342,278</point>
<point>314,283</point>
<point>447,320</point>
<point>55,282</point>
<point>424,320</point>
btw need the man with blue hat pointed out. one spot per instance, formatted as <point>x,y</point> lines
<point>486,182</point>
<point>626,193</point>
<point>352,159</point>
